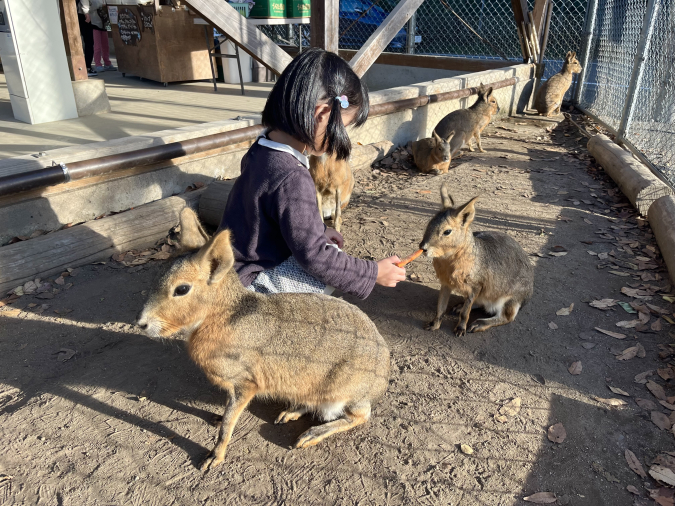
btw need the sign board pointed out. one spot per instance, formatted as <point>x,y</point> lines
<point>112,14</point>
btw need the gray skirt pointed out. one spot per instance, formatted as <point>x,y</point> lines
<point>288,277</point>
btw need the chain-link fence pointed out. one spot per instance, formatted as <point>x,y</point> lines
<point>628,79</point>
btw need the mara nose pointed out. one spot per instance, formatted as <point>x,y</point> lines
<point>424,246</point>
<point>141,321</point>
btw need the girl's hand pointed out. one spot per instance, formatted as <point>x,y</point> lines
<point>335,237</point>
<point>388,274</point>
<point>87,18</point>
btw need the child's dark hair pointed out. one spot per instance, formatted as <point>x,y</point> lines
<point>312,77</point>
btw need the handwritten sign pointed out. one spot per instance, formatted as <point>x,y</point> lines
<point>128,27</point>
<point>146,20</point>
<point>112,14</point>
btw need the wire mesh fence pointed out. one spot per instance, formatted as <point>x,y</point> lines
<point>618,63</point>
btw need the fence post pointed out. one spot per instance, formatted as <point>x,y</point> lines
<point>648,23</point>
<point>410,40</point>
<point>589,26</point>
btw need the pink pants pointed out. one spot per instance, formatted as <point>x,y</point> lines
<point>101,48</point>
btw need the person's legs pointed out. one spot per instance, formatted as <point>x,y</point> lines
<point>105,48</point>
<point>98,48</point>
<point>87,34</point>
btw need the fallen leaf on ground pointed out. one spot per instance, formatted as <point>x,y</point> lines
<point>627,307</point>
<point>668,298</point>
<point>628,324</point>
<point>600,470</point>
<point>611,402</point>
<point>645,404</point>
<point>610,333</point>
<point>660,420</point>
<point>65,354</point>
<point>635,293</point>
<point>604,303</point>
<point>667,405</point>
<point>641,351</point>
<point>642,377</point>
<point>656,390</point>
<point>634,463</point>
<point>557,433</point>
<point>628,353</point>
<point>60,280</point>
<point>557,253</point>
<point>466,449</point>
<point>619,391</point>
<point>657,326</point>
<point>662,474</point>
<point>541,498</point>
<point>657,309</point>
<point>602,256</point>
<point>588,346</point>
<point>666,373</point>
<point>643,317</point>
<point>633,490</point>
<point>575,368</point>
<point>552,326</point>
<point>501,418</point>
<point>565,311</point>
<point>511,408</point>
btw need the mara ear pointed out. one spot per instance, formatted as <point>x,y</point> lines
<point>568,56</point>
<point>488,94</point>
<point>467,212</point>
<point>217,257</point>
<point>192,234</point>
<point>436,136</point>
<point>452,134</point>
<point>574,54</point>
<point>446,199</point>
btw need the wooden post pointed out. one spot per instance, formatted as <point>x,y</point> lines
<point>72,40</point>
<point>520,16</point>
<point>229,22</point>
<point>538,18</point>
<point>379,40</point>
<point>324,24</point>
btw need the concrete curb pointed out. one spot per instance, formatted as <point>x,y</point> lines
<point>662,220</point>
<point>634,179</point>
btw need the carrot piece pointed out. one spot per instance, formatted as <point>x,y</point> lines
<point>409,259</point>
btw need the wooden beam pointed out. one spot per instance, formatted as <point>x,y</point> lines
<point>324,24</point>
<point>539,15</point>
<point>520,17</point>
<point>433,62</point>
<point>229,22</point>
<point>384,34</point>
<point>70,26</point>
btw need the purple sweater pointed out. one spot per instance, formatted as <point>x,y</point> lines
<point>273,213</point>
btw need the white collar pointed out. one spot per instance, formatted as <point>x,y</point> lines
<point>278,146</point>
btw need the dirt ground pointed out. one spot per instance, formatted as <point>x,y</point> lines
<point>94,412</point>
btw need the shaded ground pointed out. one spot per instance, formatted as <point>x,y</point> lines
<point>124,420</point>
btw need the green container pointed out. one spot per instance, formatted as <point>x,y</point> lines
<point>268,9</point>
<point>298,8</point>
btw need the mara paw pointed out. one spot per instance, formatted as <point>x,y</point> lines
<point>289,416</point>
<point>210,462</point>
<point>433,325</point>
<point>460,330</point>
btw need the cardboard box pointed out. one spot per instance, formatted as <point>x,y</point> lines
<point>298,8</point>
<point>269,9</point>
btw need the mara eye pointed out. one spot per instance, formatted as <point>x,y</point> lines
<point>447,232</point>
<point>181,290</point>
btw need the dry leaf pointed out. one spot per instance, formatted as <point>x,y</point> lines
<point>641,351</point>
<point>565,311</point>
<point>643,317</point>
<point>657,309</point>
<point>511,408</point>
<point>501,418</point>
<point>645,404</point>
<point>642,377</point>
<point>575,368</point>
<point>541,498</point>
<point>610,333</point>
<point>600,470</point>
<point>65,354</point>
<point>635,293</point>
<point>656,390</point>
<point>633,490</point>
<point>611,402</point>
<point>628,324</point>
<point>662,474</point>
<point>603,303</point>
<point>552,326</point>
<point>665,373</point>
<point>557,253</point>
<point>466,449</point>
<point>557,433</point>
<point>657,326</point>
<point>667,405</point>
<point>619,391</point>
<point>635,464</point>
<point>60,280</point>
<point>660,420</point>
<point>628,353</point>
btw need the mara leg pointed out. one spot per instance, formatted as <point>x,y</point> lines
<point>337,219</point>
<point>238,399</point>
<point>354,415</point>
<point>460,328</point>
<point>290,415</point>
<point>506,315</point>
<point>477,136</point>
<point>319,200</point>
<point>443,299</point>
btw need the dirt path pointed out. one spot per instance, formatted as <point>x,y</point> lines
<point>118,418</point>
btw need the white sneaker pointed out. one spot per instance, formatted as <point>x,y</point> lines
<point>110,67</point>
<point>92,72</point>
<point>100,69</point>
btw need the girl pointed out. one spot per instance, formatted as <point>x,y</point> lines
<point>280,241</point>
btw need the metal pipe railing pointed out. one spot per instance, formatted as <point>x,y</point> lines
<point>64,173</point>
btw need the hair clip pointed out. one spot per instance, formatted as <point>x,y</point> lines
<point>344,102</point>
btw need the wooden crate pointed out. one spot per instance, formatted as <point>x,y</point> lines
<point>160,43</point>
